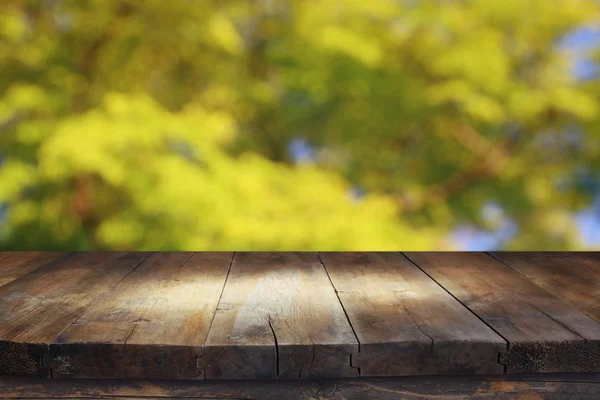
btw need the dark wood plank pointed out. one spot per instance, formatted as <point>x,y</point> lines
<point>528,387</point>
<point>573,277</point>
<point>8,254</point>
<point>544,333</point>
<point>40,305</point>
<point>279,317</point>
<point>405,322</point>
<point>14,265</point>
<point>153,324</point>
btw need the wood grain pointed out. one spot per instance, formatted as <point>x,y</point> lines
<point>573,277</point>
<point>40,305</point>
<point>14,265</point>
<point>407,324</point>
<point>279,317</point>
<point>528,387</point>
<point>544,333</point>
<point>153,324</point>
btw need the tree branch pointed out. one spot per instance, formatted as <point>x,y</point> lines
<point>493,157</point>
<point>11,122</point>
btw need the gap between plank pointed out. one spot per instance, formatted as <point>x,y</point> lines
<point>465,306</point>
<point>541,289</point>
<point>345,312</point>
<point>92,304</point>
<point>505,264</point>
<point>59,259</point>
<point>56,260</point>
<point>46,355</point>
<point>214,314</point>
<point>135,325</point>
<point>220,296</point>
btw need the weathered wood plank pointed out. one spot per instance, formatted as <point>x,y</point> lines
<point>547,387</point>
<point>37,307</point>
<point>573,277</point>
<point>153,324</point>
<point>406,323</point>
<point>14,265</point>
<point>279,317</point>
<point>544,333</point>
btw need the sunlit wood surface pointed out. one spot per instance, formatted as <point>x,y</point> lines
<point>175,315</point>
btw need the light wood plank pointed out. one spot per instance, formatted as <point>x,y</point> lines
<point>15,265</point>
<point>40,305</point>
<point>544,333</point>
<point>406,323</point>
<point>153,324</point>
<point>279,317</point>
<point>573,277</point>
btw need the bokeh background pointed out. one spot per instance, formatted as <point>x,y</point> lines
<point>299,124</point>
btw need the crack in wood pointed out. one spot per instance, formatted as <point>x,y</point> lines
<point>45,363</point>
<point>411,316</point>
<point>276,344</point>
<point>233,362</point>
<point>322,382</point>
<point>314,351</point>
<point>502,360</point>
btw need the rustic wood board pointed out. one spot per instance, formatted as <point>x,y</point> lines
<point>14,265</point>
<point>279,317</point>
<point>534,387</point>
<point>574,277</point>
<point>544,333</point>
<point>40,305</point>
<point>153,324</point>
<point>406,323</point>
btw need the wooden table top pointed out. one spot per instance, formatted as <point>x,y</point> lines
<point>179,315</point>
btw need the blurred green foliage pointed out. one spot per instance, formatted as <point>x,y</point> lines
<point>157,124</point>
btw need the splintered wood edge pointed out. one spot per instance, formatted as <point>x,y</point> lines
<point>24,359</point>
<point>555,356</point>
